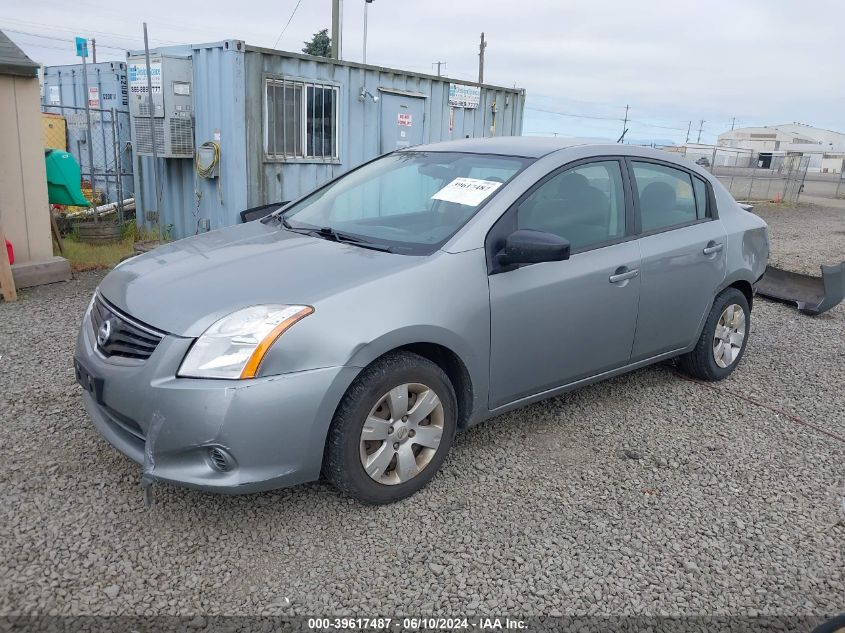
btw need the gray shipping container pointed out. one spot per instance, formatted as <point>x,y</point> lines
<point>63,93</point>
<point>285,123</point>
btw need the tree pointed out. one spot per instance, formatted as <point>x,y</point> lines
<point>320,44</point>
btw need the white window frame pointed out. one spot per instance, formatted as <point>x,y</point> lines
<point>304,156</point>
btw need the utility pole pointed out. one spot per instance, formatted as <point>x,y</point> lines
<point>152,111</point>
<point>689,127</point>
<point>367,3</point>
<point>94,50</point>
<point>481,48</point>
<point>625,121</point>
<point>88,134</point>
<point>438,66</point>
<point>337,27</point>
<point>700,127</point>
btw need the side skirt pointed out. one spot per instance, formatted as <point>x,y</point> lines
<point>551,393</point>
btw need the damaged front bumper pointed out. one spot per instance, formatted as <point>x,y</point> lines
<point>217,435</point>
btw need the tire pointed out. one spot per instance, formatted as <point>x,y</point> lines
<point>376,397</point>
<point>702,361</point>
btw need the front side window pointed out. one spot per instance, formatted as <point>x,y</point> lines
<point>300,120</point>
<point>666,196</point>
<point>585,205</point>
<point>411,202</point>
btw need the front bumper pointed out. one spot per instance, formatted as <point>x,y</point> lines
<point>273,428</point>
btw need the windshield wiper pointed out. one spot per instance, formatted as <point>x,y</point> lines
<point>329,233</point>
<point>296,229</point>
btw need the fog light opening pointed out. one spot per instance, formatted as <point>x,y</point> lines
<point>220,460</point>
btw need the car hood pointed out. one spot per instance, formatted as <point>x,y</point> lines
<point>185,286</point>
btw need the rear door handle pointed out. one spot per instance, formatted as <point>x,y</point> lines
<point>622,274</point>
<point>713,247</point>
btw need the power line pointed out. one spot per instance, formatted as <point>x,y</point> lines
<point>57,39</point>
<point>60,29</point>
<point>570,114</point>
<point>292,13</point>
<point>604,118</point>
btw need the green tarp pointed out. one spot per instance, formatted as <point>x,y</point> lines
<point>63,179</point>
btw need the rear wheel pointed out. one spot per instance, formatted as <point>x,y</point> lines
<point>392,430</point>
<point>723,339</point>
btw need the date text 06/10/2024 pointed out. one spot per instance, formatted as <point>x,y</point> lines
<point>416,624</point>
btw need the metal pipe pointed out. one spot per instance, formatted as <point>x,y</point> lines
<point>337,28</point>
<point>88,135</point>
<point>103,133</point>
<point>366,4</point>
<point>118,178</point>
<point>151,107</point>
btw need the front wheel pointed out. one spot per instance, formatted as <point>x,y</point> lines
<point>723,339</point>
<point>392,429</point>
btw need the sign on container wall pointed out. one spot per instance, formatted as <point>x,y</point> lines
<point>138,78</point>
<point>93,97</point>
<point>55,96</point>
<point>461,96</point>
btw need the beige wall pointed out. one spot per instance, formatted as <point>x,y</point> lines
<point>23,181</point>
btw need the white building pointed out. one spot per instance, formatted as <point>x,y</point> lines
<point>825,148</point>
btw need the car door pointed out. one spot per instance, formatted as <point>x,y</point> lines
<point>402,121</point>
<point>556,322</point>
<point>683,255</point>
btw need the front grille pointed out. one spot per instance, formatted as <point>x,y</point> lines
<point>123,336</point>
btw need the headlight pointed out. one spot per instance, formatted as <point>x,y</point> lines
<point>235,345</point>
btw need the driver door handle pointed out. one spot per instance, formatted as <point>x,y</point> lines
<point>622,274</point>
<point>713,247</point>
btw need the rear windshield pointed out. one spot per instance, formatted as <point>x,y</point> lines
<point>411,202</point>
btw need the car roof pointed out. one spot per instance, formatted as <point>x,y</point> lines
<point>539,146</point>
<point>526,146</point>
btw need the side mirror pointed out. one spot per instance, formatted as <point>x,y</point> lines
<point>532,247</point>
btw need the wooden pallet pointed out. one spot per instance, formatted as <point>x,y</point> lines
<point>7,282</point>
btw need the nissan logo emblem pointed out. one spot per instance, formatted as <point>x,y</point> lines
<point>104,333</point>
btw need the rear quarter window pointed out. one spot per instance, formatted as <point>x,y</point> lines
<point>701,206</point>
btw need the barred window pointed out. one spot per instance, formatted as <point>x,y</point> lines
<point>300,120</point>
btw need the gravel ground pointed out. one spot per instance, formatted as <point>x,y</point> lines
<point>647,494</point>
<point>804,236</point>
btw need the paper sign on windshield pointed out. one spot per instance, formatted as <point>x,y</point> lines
<point>469,191</point>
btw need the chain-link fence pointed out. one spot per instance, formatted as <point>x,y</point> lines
<point>751,175</point>
<point>106,167</point>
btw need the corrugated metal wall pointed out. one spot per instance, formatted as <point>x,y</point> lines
<point>63,85</point>
<point>229,86</point>
<point>63,93</point>
<point>184,199</point>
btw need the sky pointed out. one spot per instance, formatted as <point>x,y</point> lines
<point>674,63</point>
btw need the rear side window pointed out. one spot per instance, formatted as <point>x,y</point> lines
<point>666,196</point>
<point>700,198</point>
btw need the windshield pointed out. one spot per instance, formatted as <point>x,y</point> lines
<point>411,202</point>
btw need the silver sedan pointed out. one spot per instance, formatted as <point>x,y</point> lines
<point>354,331</point>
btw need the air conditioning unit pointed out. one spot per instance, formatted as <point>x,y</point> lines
<point>171,123</point>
